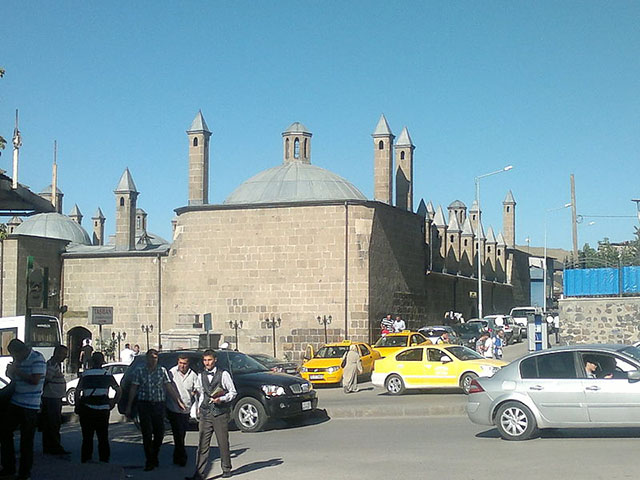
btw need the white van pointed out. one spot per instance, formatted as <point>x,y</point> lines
<point>521,314</point>
<point>42,333</point>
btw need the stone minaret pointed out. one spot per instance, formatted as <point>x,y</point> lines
<point>98,227</point>
<point>126,197</point>
<point>509,220</point>
<point>404,171</point>
<point>383,162</point>
<point>76,214</point>
<point>13,224</point>
<point>198,135</point>
<point>296,144</point>
<point>141,221</point>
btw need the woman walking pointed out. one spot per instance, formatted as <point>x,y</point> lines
<point>93,406</point>
<point>352,367</point>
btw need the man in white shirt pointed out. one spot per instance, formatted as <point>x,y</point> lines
<point>127,355</point>
<point>216,392</point>
<point>184,379</point>
<point>399,325</point>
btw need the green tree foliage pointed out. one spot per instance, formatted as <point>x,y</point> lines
<point>608,255</point>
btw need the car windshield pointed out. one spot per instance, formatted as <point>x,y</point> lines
<point>633,352</point>
<point>266,360</point>
<point>433,332</point>
<point>521,312</point>
<point>468,328</point>
<point>332,352</point>
<point>392,341</point>
<point>464,353</point>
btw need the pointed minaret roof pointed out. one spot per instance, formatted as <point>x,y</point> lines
<point>500,240</point>
<point>454,224</point>
<point>509,198</point>
<point>430,208</point>
<point>126,183</point>
<point>75,211</point>
<point>422,209</point>
<point>467,229</point>
<point>404,140</point>
<point>382,129</point>
<point>480,233</point>
<point>14,221</point>
<point>491,238</point>
<point>98,215</point>
<point>296,127</point>
<point>438,219</point>
<point>474,206</point>
<point>198,124</point>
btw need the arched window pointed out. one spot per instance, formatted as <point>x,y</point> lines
<point>508,209</point>
<point>488,249</point>
<point>195,141</point>
<point>122,199</point>
<point>401,155</point>
<point>304,152</point>
<point>498,252</point>
<point>380,145</point>
<point>296,148</point>
<point>286,148</point>
<point>451,238</point>
<point>95,224</point>
<point>139,223</point>
<point>466,242</point>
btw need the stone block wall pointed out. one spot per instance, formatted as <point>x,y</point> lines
<point>600,320</point>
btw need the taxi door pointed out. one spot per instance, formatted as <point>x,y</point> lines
<point>437,372</point>
<point>366,358</point>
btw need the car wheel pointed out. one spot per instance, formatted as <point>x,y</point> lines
<point>465,381</point>
<point>394,384</point>
<point>71,396</point>
<point>515,421</point>
<point>249,415</point>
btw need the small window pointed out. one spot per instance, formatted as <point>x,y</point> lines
<point>122,199</point>
<point>296,148</point>
<point>499,252</point>
<point>451,238</point>
<point>304,151</point>
<point>466,242</point>
<point>508,209</point>
<point>413,355</point>
<point>488,249</point>
<point>401,155</point>
<point>380,145</point>
<point>286,148</point>
<point>195,141</point>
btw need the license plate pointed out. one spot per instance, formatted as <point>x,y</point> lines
<point>316,377</point>
<point>306,405</point>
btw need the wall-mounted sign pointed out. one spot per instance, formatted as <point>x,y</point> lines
<point>101,315</point>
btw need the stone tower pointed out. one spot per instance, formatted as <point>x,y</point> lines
<point>296,144</point>
<point>509,220</point>
<point>459,209</point>
<point>13,224</point>
<point>126,197</point>
<point>98,227</point>
<point>404,171</point>
<point>383,162</point>
<point>76,214</point>
<point>198,135</point>
<point>46,194</point>
<point>141,221</point>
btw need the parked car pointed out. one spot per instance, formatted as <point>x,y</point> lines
<point>434,332</point>
<point>275,364</point>
<point>392,342</point>
<point>325,368</point>
<point>521,316</point>
<point>512,331</point>
<point>117,369</point>
<point>432,366</point>
<point>552,389</point>
<point>469,333</point>
<point>262,394</point>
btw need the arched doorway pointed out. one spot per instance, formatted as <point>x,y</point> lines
<point>75,337</point>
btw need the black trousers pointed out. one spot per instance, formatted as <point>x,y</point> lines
<point>51,419</point>
<point>94,421</point>
<point>207,425</point>
<point>179,425</point>
<point>151,415</point>
<point>27,418</point>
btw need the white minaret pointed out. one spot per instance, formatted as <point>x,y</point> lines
<point>54,177</point>
<point>17,143</point>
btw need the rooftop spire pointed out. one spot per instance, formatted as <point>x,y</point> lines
<point>126,183</point>
<point>382,128</point>
<point>198,124</point>
<point>404,140</point>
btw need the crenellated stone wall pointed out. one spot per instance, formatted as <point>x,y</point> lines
<point>600,320</point>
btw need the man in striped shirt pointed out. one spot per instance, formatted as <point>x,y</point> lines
<point>27,373</point>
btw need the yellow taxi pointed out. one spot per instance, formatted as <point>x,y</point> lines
<point>394,342</point>
<point>324,366</point>
<point>432,366</point>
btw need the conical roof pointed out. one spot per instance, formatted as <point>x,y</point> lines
<point>430,208</point>
<point>14,221</point>
<point>422,209</point>
<point>198,124</point>
<point>467,228</point>
<point>98,215</point>
<point>438,219</point>
<point>491,238</point>
<point>126,185</point>
<point>404,140</point>
<point>480,232</point>
<point>454,224</point>
<point>509,198</point>
<point>500,240</point>
<point>75,211</point>
<point>382,129</point>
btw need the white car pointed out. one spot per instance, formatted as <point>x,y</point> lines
<point>116,369</point>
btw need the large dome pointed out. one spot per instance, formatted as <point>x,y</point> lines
<point>294,182</point>
<point>53,225</point>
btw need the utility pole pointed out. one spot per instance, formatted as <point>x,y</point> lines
<point>574,218</point>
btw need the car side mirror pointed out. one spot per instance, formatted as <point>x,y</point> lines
<point>633,375</point>
<point>445,359</point>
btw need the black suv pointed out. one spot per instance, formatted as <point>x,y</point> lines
<point>262,394</point>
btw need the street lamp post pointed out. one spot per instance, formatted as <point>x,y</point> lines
<point>146,329</point>
<point>324,320</point>
<point>544,262</point>
<point>273,323</point>
<point>119,336</point>
<point>235,324</point>
<point>477,181</point>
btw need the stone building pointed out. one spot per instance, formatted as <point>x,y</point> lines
<point>292,243</point>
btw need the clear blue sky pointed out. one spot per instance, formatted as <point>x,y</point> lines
<point>550,87</point>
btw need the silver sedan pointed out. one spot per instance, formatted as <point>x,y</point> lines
<point>580,386</point>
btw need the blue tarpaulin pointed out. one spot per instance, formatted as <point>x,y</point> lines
<point>601,281</point>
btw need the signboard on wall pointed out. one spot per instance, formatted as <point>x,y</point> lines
<point>101,315</point>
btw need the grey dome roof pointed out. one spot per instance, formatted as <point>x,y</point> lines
<point>294,182</point>
<point>53,225</point>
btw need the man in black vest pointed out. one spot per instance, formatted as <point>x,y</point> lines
<point>216,390</point>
